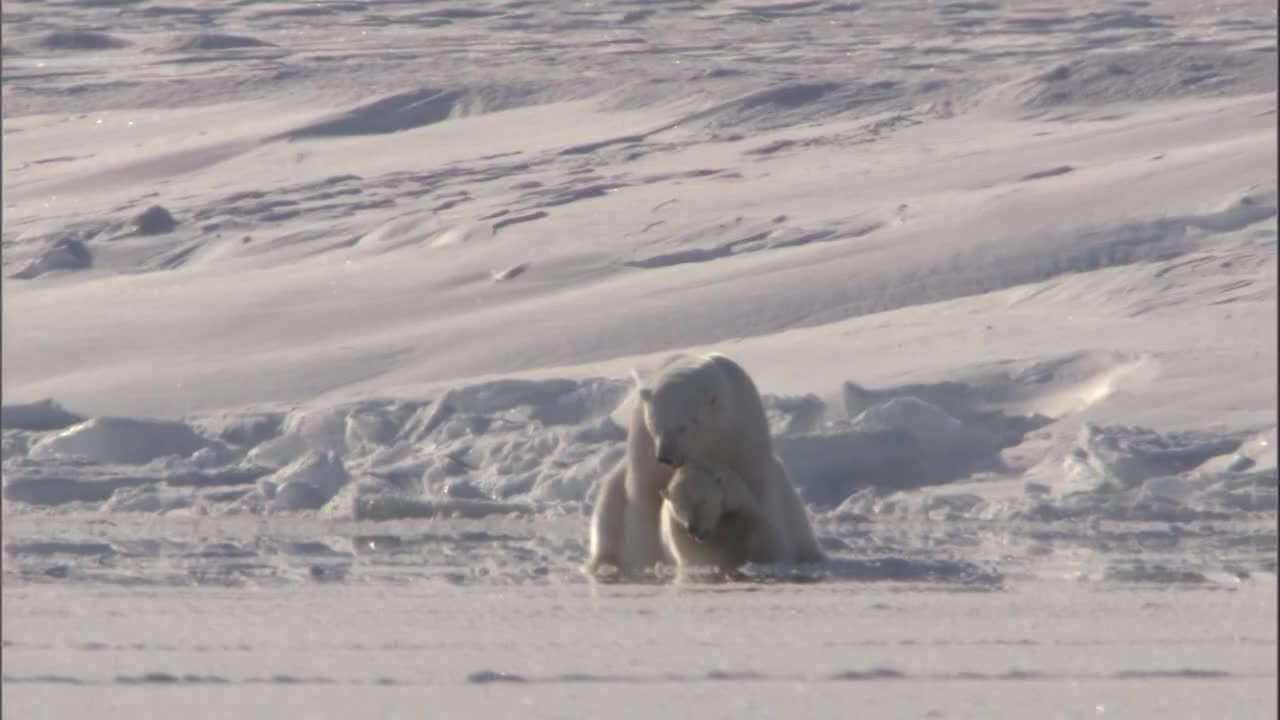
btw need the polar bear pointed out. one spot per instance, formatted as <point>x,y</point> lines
<point>704,408</point>
<point>711,522</point>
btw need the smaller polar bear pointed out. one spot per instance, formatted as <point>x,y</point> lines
<point>711,522</point>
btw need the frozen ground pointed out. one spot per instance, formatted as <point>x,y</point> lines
<point>381,634</point>
<point>317,319</point>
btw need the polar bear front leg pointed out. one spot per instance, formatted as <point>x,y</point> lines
<point>642,543</point>
<point>608,522</point>
<point>624,539</point>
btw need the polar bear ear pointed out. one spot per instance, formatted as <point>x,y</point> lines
<point>646,394</point>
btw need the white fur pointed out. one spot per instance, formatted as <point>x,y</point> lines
<point>711,522</point>
<point>703,409</point>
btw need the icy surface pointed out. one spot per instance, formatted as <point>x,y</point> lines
<point>318,318</point>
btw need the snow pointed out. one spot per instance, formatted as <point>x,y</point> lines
<point>319,320</point>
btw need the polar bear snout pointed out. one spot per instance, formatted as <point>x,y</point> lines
<point>702,522</point>
<point>668,452</point>
<point>697,533</point>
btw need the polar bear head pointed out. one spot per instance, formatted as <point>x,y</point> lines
<point>699,496</point>
<point>686,412</point>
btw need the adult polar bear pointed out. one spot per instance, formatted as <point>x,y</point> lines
<point>704,408</point>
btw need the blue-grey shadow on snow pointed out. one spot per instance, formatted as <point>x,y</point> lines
<point>945,574</point>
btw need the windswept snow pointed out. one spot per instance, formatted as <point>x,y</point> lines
<point>318,319</point>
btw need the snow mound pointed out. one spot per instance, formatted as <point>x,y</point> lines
<point>305,484</point>
<point>121,441</point>
<point>1112,473</point>
<point>43,415</point>
<point>515,447</point>
<point>64,254</point>
<point>418,108</point>
<point>1126,458</point>
<point>155,220</point>
<point>1138,474</point>
<point>900,443</point>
